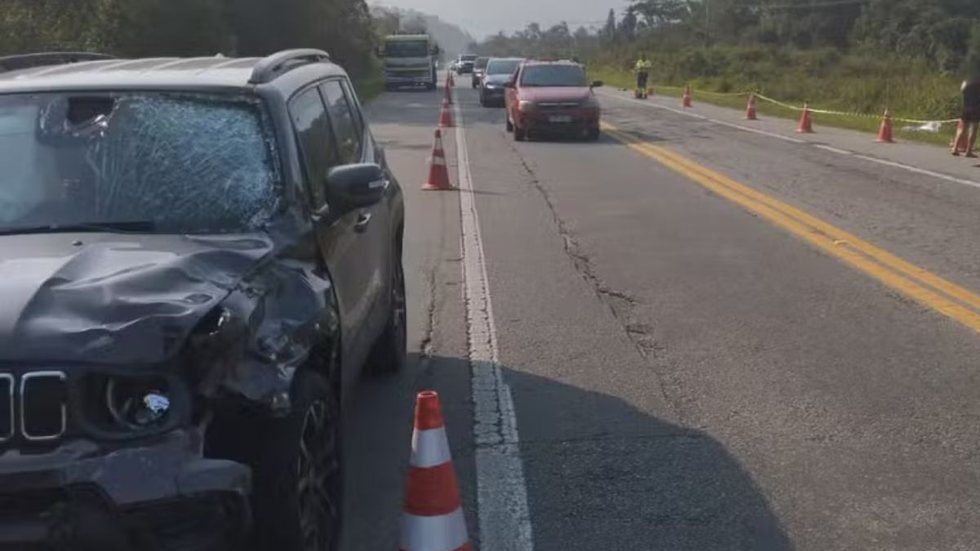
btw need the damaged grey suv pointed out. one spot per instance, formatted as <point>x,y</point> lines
<point>197,258</point>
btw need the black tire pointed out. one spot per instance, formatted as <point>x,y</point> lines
<point>593,135</point>
<point>519,134</point>
<point>286,455</point>
<point>388,355</point>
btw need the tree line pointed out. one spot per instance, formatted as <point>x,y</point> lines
<point>139,28</point>
<point>943,33</point>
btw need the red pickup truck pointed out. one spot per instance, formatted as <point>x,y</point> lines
<point>552,97</point>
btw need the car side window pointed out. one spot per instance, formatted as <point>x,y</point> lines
<point>354,107</point>
<point>316,139</point>
<point>344,126</point>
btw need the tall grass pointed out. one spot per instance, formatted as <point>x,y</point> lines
<point>858,82</point>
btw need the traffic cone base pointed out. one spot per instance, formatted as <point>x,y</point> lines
<point>806,122</point>
<point>885,132</point>
<point>432,514</point>
<point>438,173</point>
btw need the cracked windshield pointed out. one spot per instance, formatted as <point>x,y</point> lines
<point>522,275</point>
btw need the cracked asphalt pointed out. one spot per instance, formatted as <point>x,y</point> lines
<point>686,375</point>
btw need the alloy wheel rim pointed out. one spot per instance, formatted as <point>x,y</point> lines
<point>398,303</point>
<point>317,467</point>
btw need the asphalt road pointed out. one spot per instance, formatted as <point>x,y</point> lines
<point>686,371</point>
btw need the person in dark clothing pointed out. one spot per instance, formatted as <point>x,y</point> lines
<point>970,117</point>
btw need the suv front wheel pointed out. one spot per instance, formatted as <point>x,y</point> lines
<point>297,478</point>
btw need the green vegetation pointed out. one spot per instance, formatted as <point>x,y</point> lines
<point>843,55</point>
<point>191,27</point>
<point>371,84</point>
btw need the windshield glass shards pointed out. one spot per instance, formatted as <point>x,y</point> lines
<point>181,163</point>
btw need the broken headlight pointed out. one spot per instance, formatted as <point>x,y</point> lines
<point>137,404</point>
<point>132,405</point>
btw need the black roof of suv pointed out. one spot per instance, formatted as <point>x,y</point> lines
<point>85,71</point>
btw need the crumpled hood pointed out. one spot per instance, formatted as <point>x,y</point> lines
<point>114,299</point>
<point>555,93</point>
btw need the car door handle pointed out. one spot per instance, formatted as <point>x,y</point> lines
<point>362,222</point>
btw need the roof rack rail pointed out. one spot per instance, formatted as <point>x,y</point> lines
<point>41,59</point>
<point>271,67</point>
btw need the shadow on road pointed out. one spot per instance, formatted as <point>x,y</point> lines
<point>600,473</point>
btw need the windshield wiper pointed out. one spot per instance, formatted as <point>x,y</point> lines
<point>129,226</point>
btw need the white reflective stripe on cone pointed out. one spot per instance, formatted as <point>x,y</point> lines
<point>441,533</point>
<point>430,448</point>
<point>440,161</point>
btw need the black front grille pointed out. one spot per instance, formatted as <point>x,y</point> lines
<point>43,405</point>
<point>6,406</point>
<point>33,407</point>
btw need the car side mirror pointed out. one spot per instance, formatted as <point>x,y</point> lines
<point>596,83</point>
<point>355,186</point>
<point>511,84</point>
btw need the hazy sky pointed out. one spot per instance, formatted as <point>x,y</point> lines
<point>484,17</point>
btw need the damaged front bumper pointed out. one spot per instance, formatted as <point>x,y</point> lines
<point>159,496</point>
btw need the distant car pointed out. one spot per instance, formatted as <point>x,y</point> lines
<point>499,71</point>
<point>464,64</point>
<point>479,67</point>
<point>552,97</point>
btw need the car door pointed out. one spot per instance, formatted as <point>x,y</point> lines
<point>372,222</point>
<point>337,234</point>
<point>510,95</point>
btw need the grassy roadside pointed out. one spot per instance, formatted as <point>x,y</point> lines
<point>369,83</point>
<point>369,86</point>
<point>619,78</point>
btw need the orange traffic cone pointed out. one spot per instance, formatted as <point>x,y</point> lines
<point>806,123</point>
<point>452,79</point>
<point>445,117</point>
<point>438,173</point>
<point>449,93</point>
<point>432,514</point>
<point>750,109</point>
<point>885,132</point>
<point>686,98</point>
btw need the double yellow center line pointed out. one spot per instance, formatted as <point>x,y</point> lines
<point>921,285</point>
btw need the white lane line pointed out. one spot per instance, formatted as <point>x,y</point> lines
<point>893,164</point>
<point>505,520</point>
<point>918,170</point>
<point>833,149</point>
<point>709,119</point>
